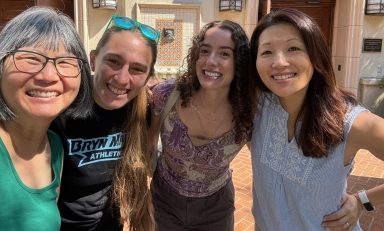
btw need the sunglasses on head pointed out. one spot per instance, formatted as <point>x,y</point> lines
<point>128,23</point>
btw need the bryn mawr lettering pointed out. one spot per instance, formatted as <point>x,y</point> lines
<point>77,146</point>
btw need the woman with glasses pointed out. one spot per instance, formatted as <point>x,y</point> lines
<point>205,128</point>
<point>122,62</point>
<point>43,73</point>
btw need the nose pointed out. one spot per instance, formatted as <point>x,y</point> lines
<point>123,76</point>
<point>212,59</point>
<point>48,73</point>
<point>280,61</point>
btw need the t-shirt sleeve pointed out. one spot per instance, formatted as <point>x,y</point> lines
<point>161,93</point>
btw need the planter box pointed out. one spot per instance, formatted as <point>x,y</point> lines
<point>371,95</point>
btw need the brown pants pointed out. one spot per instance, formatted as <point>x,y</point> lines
<point>176,212</point>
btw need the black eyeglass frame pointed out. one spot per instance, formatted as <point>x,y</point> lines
<point>81,63</point>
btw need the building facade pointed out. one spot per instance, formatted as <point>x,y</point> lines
<point>344,22</point>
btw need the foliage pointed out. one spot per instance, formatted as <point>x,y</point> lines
<point>381,83</point>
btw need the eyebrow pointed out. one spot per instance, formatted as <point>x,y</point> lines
<point>221,47</point>
<point>268,43</point>
<point>121,57</point>
<point>294,38</point>
<point>66,53</point>
<point>145,67</point>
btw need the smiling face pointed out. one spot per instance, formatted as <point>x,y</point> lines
<point>283,62</point>
<point>216,65</point>
<point>42,95</point>
<point>121,69</point>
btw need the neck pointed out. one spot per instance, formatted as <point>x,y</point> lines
<point>212,101</point>
<point>22,139</point>
<point>292,106</point>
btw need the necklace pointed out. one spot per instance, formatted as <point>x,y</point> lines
<point>205,134</point>
<point>201,124</point>
<point>198,112</point>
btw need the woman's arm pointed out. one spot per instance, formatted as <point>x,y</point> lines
<point>367,133</point>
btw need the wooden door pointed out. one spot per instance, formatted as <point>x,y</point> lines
<point>9,9</point>
<point>65,6</point>
<point>264,8</point>
<point>321,11</point>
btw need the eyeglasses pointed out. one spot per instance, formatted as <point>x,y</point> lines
<point>32,63</point>
<point>128,23</point>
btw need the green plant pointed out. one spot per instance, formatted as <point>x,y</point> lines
<point>381,83</point>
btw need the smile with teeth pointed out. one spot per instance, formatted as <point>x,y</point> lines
<point>281,77</point>
<point>115,90</point>
<point>43,94</point>
<point>212,74</point>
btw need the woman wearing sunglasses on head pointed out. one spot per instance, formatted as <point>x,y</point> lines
<point>122,62</point>
<point>43,73</point>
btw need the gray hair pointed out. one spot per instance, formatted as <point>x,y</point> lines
<point>47,28</point>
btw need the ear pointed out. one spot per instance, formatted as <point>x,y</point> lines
<point>92,58</point>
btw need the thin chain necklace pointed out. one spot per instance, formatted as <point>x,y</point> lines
<point>201,124</point>
<point>205,134</point>
<point>198,112</point>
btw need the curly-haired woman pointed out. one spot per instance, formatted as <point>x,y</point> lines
<point>206,127</point>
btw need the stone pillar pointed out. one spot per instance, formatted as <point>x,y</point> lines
<point>251,12</point>
<point>81,22</point>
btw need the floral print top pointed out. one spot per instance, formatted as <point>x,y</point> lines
<point>191,171</point>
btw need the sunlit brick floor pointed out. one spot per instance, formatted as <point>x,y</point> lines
<point>368,172</point>
<point>242,179</point>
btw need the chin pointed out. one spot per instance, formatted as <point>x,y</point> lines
<point>46,116</point>
<point>118,105</point>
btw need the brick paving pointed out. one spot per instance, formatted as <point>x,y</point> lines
<point>242,179</point>
<point>368,172</point>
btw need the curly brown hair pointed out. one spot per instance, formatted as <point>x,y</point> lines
<point>188,83</point>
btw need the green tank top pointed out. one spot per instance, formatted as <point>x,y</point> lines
<point>24,208</point>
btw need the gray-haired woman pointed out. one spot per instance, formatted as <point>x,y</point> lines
<point>44,72</point>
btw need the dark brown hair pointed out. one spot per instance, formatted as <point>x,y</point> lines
<point>323,111</point>
<point>188,83</point>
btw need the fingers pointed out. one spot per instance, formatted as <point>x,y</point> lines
<point>150,93</point>
<point>342,225</point>
<point>348,226</point>
<point>344,198</point>
<point>346,218</point>
<point>346,207</point>
<point>152,82</point>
